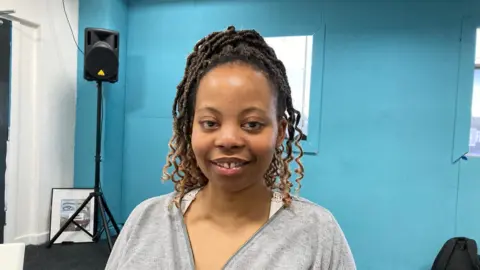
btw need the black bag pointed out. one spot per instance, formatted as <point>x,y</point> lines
<point>458,253</point>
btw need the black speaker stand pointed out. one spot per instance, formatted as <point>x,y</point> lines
<point>97,194</point>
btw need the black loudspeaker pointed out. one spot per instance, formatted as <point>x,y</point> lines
<point>100,65</point>
<point>101,55</point>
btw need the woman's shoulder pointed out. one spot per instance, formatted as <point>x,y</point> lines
<point>151,222</point>
<point>153,207</point>
<point>318,226</point>
<point>322,226</point>
<point>311,213</point>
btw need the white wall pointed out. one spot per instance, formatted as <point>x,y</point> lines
<point>41,143</point>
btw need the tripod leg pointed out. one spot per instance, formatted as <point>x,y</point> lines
<point>69,221</point>
<point>96,231</point>
<point>109,214</point>
<point>105,223</point>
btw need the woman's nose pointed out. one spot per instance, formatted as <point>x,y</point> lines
<point>229,138</point>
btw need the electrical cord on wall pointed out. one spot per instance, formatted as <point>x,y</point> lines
<point>76,43</point>
<point>69,25</point>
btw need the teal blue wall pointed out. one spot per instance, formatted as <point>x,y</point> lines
<point>392,94</point>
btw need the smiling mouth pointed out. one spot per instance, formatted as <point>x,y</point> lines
<point>230,165</point>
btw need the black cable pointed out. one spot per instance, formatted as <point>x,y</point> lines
<point>69,25</point>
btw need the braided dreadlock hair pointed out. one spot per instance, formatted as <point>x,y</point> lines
<point>248,47</point>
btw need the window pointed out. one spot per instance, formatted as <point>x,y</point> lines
<point>474,143</point>
<point>296,54</point>
<point>477,50</point>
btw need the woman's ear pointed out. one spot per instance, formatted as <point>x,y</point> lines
<point>282,131</point>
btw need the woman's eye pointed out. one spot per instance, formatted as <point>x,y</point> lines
<point>253,125</point>
<point>208,124</point>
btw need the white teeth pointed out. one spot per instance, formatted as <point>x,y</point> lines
<point>229,165</point>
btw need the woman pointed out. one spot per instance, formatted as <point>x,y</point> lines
<point>232,207</point>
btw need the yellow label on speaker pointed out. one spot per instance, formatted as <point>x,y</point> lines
<point>101,73</point>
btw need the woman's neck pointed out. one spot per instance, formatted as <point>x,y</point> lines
<point>247,205</point>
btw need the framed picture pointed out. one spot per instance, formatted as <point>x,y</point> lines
<point>65,202</point>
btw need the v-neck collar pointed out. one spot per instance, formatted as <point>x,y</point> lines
<point>275,207</point>
<point>276,203</point>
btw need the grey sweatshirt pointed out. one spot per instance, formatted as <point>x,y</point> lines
<point>302,236</point>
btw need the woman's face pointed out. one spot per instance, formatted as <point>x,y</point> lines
<point>235,128</point>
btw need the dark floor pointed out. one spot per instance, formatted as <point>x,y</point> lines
<point>91,256</point>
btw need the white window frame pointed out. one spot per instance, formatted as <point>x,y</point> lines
<point>475,110</point>
<point>296,53</point>
<point>477,49</point>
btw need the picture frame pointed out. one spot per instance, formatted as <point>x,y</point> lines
<point>64,203</point>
